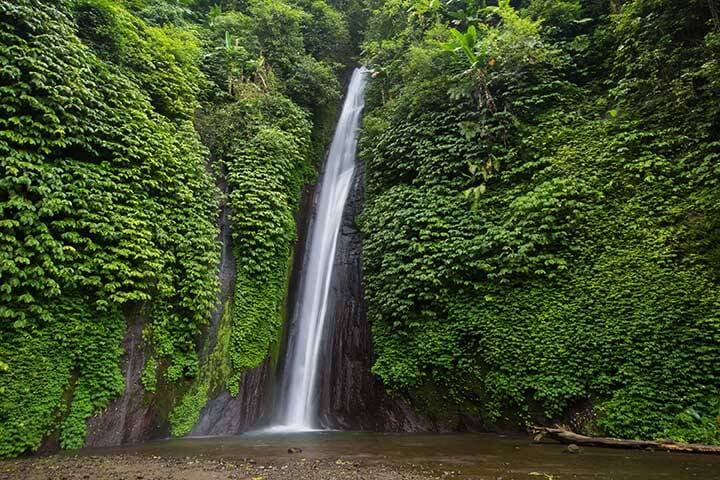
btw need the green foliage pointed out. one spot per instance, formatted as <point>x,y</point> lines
<point>109,207</point>
<point>325,30</point>
<point>106,206</point>
<point>541,222</point>
<point>187,412</point>
<point>291,47</point>
<point>314,85</point>
<point>148,377</point>
<point>164,12</point>
<point>265,178</point>
<point>263,141</point>
<point>355,13</point>
<point>163,60</point>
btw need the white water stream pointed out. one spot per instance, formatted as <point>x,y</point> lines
<point>298,411</point>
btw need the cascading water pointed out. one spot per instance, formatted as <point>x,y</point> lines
<point>298,410</point>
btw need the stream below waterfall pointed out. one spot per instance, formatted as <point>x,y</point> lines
<point>368,455</point>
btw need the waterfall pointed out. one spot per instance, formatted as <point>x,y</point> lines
<point>298,408</point>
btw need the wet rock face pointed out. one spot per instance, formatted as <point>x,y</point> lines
<point>128,419</point>
<point>303,219</point>
<point>226,271</point>
<point>254,406</point>
<point>351,397</point>
<point>133,418</point>
<point>227,415</point>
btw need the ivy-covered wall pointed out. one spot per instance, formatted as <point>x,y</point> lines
<point>106,205</point>
<point>264,142</point>
<point>541,231</point>
<point>117,119</point>
<point>275,69</point>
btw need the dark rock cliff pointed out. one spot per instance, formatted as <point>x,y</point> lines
<point>137,417</point>
<point>227,415</point>
<point>128,419</point>
<point>224,414</point>
<point>350,397</point>
<point>253,407</point>
<point>303,221</point>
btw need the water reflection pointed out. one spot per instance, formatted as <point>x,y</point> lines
<point>475,456</point>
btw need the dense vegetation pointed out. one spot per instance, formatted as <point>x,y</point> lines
<point>543,217</point>
<point>541,234</point>
<point>117,119</point>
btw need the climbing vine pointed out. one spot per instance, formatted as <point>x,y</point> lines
<point>540,233</point>
<point>107,207</point>
<point>117,120</point>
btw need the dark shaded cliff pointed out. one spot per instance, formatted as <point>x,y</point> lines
<point>136,416</point>
<point>224,414</point>
<point>350,396</point>
<point>228,415</point>
<point>253,407</point>
<point>129,418</point>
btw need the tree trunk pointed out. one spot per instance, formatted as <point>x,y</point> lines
<point>567,437</point>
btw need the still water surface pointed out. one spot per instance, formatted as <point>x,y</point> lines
<point>469,456</point>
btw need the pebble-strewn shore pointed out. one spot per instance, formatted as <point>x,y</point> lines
<point>136,467</point>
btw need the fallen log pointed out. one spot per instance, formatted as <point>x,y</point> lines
<point>568,437</point>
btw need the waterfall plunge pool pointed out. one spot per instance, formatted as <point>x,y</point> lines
<point>332,454</point>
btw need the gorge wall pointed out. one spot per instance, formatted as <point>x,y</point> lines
<point>538,204</point>
<point>352,398</point>
<point>540,234</point>
<point>124,310</point>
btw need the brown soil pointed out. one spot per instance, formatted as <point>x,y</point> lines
<point>137,467</point>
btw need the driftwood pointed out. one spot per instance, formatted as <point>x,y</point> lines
<point>567,437</point>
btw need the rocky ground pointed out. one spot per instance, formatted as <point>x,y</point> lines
<point>137,467</point>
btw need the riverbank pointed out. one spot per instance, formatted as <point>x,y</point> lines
<point>139,467</point>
